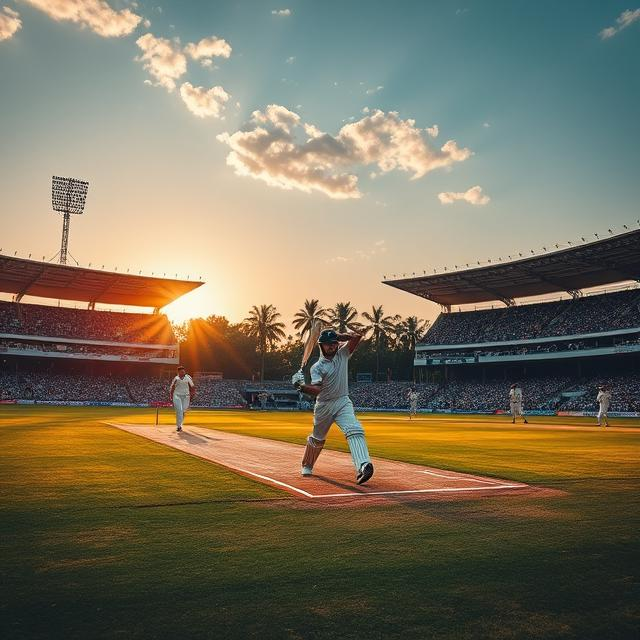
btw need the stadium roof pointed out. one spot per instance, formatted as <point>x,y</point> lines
<point>48,280</point>
<point>613,259</point>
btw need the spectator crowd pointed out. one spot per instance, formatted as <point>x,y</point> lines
<point>589,314</point>
<point>63,322</point>
<point>88,350</point>
<point>543,393</point>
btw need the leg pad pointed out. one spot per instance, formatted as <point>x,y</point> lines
<point>312,451</point>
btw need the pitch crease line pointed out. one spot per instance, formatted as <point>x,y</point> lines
<point>470,479</point>
<point>445,490</point>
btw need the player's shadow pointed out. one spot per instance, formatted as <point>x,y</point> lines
<point>210,438</point>
<point>191,438</point>
<point>341,485</point>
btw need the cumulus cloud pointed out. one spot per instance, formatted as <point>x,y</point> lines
<point>204,103</point>
<point>97,15</point>
<point>281,12</point>
<point>625,19</point>
<point>208,49</point>
<point>281,150</point>
<point>473,196</point>
<point>163,59</point>
<point>10,23</point>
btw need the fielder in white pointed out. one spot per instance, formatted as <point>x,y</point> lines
<point>413,403</point>
<point>330,385</point>
<point>181,393</point>
<point>604,400</point>
<point>515,402</point>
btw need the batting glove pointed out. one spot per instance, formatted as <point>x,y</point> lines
<point>297,380</point>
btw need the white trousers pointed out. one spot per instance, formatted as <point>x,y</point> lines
<point>341,412</point>
<point>180,404</point>
<point>603,413</point>
<point>516,409</point>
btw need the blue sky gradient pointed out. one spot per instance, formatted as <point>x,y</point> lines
<point>548,107</point>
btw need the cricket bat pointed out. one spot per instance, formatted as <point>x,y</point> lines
<point>312,338</point>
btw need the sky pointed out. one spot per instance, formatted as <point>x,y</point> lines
<point>289,150</point>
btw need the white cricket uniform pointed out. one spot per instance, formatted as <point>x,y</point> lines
<point>413,402</point>
<point>334,405</point>
<point>604,400</point>
<point>181,397</point>
<point>515,401</point>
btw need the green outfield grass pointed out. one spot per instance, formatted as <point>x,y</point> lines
<point>108,535</point>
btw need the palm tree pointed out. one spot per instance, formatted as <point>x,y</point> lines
<point>264,325</point>
<point>307,315</point>
<point>380,327</point>
<point>412,330</point>
<point>343,317</point>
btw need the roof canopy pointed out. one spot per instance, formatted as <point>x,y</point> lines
<point>607,261</point>
<point>59,281</point>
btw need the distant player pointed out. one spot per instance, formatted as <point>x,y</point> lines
<point>263,397</point>
<point>515,402</point>
<point>413,402</point>
<point>604,400</point>
<point>181,393</point>
<point>330,385</point>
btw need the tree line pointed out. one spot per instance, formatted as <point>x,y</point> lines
<point>259,347</point>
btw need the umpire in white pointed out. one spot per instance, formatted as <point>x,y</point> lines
<point>181,392</point>
<point>330,385</point>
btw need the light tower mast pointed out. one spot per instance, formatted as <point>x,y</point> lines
<point>68,196</point>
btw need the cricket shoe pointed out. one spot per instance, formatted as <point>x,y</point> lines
<point>307,471</point>
<point>365,473</point>
<point>179,429</point>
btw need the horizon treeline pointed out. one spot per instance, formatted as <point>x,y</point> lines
<point>259,348</point>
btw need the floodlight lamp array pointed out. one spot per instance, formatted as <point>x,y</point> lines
<point>68,195</point>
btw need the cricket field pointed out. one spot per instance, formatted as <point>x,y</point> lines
<point>108,535</point>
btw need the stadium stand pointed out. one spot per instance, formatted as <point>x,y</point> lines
<point>64,322</point>
<point>585,315</point>
<point>64,354</point>
<point>559,350</point>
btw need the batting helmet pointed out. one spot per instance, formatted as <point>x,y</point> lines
<point>328,336</point>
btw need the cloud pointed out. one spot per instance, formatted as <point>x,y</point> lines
<point>625,19</point>
<point>370,92</point>
<point>378,248</point>
<point>97,15</point>
<point>207,49</point>
<point>204,103</point>
<point>281,12</point>
<point>281,150</point>
<point>10,23</point>
<point>163,59</point>
<point>473,196</point>
<point>290,60</point>
<point>486,125</point>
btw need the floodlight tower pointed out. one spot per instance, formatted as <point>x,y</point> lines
<point>68,196</point>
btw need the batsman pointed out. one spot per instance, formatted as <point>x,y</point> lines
<point>330,386</point>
